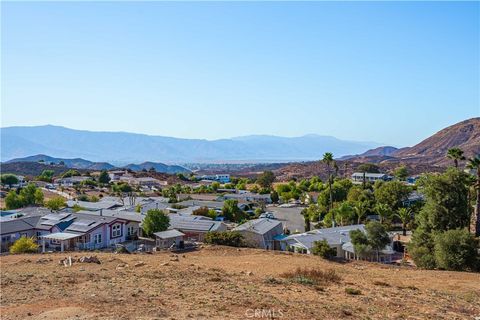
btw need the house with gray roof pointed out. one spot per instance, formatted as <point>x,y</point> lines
<point>337,238</point>
<point>195,227</point>
<point>260,233</point>
<point>169,239</point>
<point>359,177</point>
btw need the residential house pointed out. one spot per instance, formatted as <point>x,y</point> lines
<point>93,206</point>
<point>222,178</point>
<point>260,233</point>
<point>70,181</point>
<point>195,227</point>
<point>249,197</point>
<point>338,238</point>
<point>169,239</point>
<point>359,177</point>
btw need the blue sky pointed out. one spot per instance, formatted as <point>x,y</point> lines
<point>378,71</point>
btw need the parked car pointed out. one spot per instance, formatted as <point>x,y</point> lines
<point>267,215</point>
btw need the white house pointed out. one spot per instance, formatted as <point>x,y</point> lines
<point>260,233</point>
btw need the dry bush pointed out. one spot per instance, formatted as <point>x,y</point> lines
<point>312,276</point>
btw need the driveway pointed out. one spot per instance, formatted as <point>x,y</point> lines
<point>290,217</point>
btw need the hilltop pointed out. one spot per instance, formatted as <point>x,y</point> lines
<point>223,282</point>
<point>428,155</point>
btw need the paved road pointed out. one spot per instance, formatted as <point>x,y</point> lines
<point>291,217</point>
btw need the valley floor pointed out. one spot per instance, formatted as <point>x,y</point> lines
<point>226,283</point>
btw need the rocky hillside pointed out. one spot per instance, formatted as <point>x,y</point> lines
<point>464,135</point>
<point>426,156</point>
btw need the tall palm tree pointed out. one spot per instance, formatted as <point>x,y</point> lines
<point>328,160</point>
<point>474,164</point>
<point>405,215</point>
<point>456,154</point>
<point>384,212</point>
<point>361,210</point>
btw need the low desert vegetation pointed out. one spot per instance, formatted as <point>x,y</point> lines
<point>24,245</point>
<point>223,238</point>
<point>312,276</point>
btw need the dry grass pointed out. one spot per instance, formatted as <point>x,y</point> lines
<point>223,283</point>
<point>311,276</point>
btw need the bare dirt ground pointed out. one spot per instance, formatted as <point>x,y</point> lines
<point>226,283</point>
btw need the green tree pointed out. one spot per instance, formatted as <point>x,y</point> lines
<point>9,179</point>
<point>104,177</point>
<point>24,245</point>
<point>55,203</point>
<point>360,243</point>
<point>225,238</point>
<point>46,175</point>
<point>323,249</point>
<point>266,179</point>
<point>446,208</point>
<point>456,154</point>
<point>361,209</point>
<point>231,211</point>
<point>377,236</point>
<point>13,201</point>
<point>405,216</point>
<point>474,164</point>
<point>401,173</point>
<point>392,193</point>
<point>343,213</point>
<point>155,221</point>
<point>328,160</point>
<point>456,250</point>
<point>384,212</point>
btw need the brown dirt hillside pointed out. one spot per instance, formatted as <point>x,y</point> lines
<point>226,283</point>
<point>464,135</point>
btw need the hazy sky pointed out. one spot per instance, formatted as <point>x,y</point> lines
<point>387,72</point>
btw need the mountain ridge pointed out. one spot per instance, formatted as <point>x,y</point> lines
<point>121,148</point>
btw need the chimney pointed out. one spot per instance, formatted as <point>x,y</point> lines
<point>101,213</point>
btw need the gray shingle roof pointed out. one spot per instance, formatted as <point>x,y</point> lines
<point>169,234</point>
<point>260,226</point>
<point>334,236</point>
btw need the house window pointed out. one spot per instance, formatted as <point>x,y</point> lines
<point>131,231</point>
<point>116,230</point>
<point>39,233</point>
<point>97,238</point>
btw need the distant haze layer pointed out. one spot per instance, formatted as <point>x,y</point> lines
<point>122,147</point>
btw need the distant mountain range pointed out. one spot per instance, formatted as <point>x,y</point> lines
<point>79,163</point>
<point>120,148</point>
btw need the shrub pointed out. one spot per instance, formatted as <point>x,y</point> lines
<point>312,276</point>
<point>55,203</point>
<point>456,250</point>
<point>224,238</point>
<point>205,212</point>
<point>155,221</point>
<point>323,249</point>
<point>353,291</point>
<point>24,245</point>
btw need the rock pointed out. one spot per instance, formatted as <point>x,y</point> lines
<point>165,264</point>
<point>249,273</point>
<point>44,260</point>
<point>89,259</point>
<point>174,258</point>
<point>139,264</point>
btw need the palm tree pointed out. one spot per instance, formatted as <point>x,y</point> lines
<point>344,212</point>
<point>383,210</point>
<point>405,215</point>
<point>328,160</point>
<point>361,210</point>
<point>474,164</point>
<point>455,154</point>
